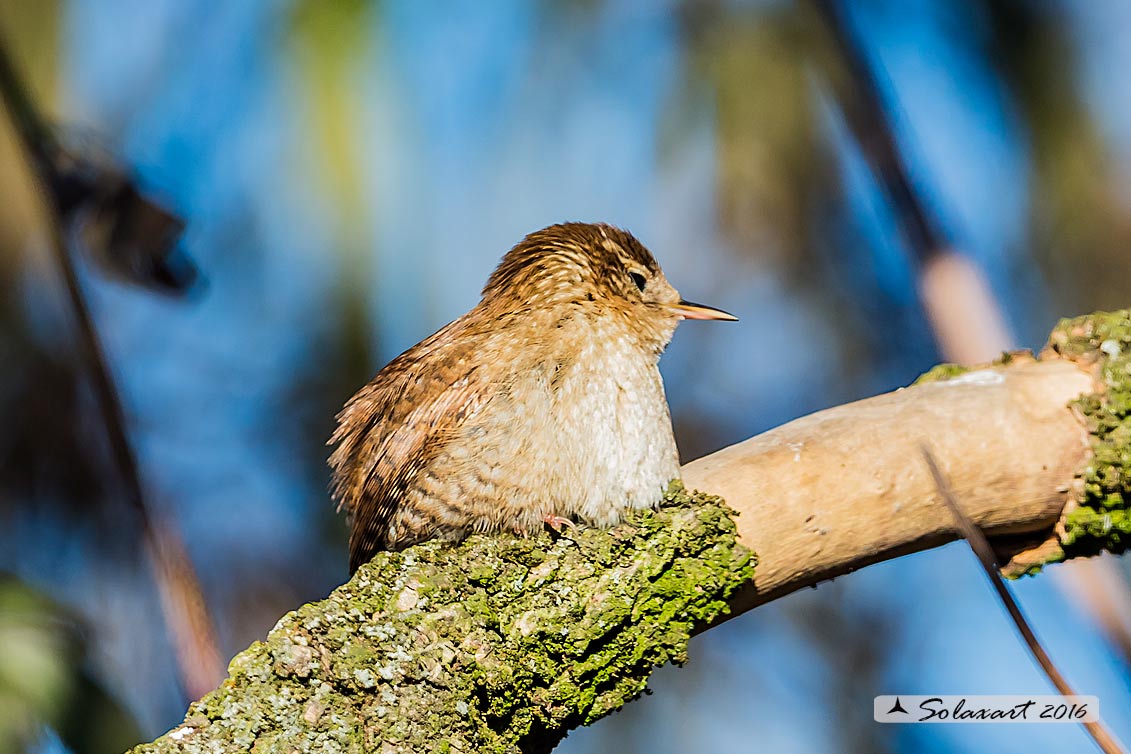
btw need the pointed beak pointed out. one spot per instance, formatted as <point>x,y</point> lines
<point>689,310</point>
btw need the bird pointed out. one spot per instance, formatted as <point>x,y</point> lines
<point>543,405</point>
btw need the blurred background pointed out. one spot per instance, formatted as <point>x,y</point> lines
<point>350,171</point>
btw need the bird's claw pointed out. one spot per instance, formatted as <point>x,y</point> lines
<point>557,523</point>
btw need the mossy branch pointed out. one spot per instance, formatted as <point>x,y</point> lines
<point>503,644</point>
<point>1098,517</point>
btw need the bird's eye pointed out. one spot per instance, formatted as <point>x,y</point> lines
<point>639,279</point>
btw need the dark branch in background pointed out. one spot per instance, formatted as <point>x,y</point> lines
<point>127,234</point>
<point>962,310</point>
<point>866,114</point>
<point>135,238</point>
<point>963,314</point>
<point>982,548</point>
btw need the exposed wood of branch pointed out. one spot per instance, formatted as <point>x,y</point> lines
<point>844,488</point>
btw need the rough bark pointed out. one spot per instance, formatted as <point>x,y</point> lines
<point>499,645</point>
<point>504,644</point>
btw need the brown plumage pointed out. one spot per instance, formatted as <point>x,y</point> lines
<point>543,402</point>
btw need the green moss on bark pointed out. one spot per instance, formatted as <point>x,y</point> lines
<point>1102,519</point>
<point>941,373</point>
<point>500,644</point>
<point>944,372</point>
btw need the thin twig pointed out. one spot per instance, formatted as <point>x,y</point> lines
<point>988,559</point>
<point>185,608</point>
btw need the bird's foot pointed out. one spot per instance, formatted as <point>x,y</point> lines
<point>557,523</point>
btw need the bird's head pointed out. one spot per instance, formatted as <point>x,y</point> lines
<point>599,268</point>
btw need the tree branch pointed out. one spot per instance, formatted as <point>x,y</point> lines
<point>503,644</point>
<point>844,488</point>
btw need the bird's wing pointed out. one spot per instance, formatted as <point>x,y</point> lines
<point>396,424</point>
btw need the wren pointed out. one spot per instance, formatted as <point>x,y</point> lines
<point>543,404</point>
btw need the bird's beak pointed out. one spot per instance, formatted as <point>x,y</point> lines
<point>689,310</point>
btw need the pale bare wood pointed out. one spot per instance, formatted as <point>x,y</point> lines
<point>844,488</point>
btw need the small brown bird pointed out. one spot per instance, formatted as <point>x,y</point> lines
<point>542,404</point>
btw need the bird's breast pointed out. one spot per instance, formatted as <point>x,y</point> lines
<point>613,427</point>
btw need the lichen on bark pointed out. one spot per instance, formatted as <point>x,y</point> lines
<point>499,644</point>
<point>1097,517</point>
<point>1101,518</point>
<point>941,373</point>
